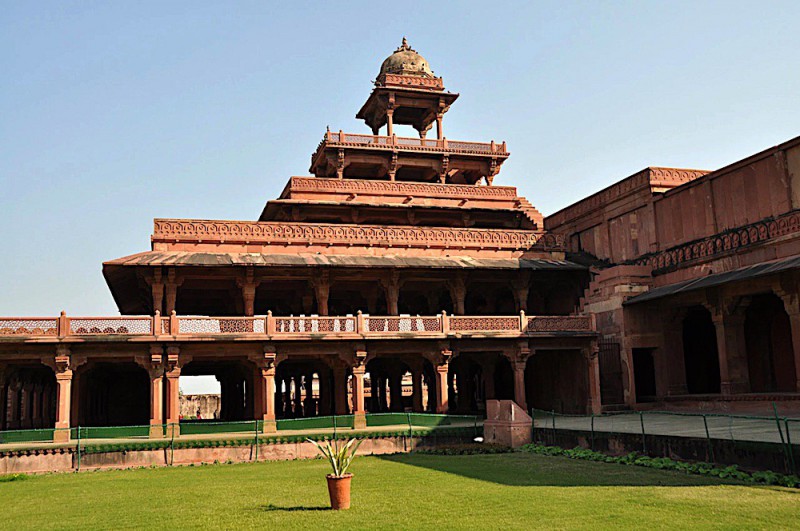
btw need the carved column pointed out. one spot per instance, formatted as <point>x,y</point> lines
<point>396,390</point>
<point>593,362</point>
<point>340,389</point>
<point>248,285</point>
<point>3,397</point>
<point>156,283</point>
<point>154,366</point>
<point>391,285</point>
<point>458,292</point>
<point>322,290</point>
<point>173,374</point>
<point>360,419</point>
<point>416,388</point>
<point>390,121</point>
<point>732,350</point>
<point>63,366</point>
<point>172,285</point>
<point>442,391</point>
<point>521,286</point>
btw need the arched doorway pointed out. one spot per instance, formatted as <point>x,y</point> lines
<point>465,385</point>
<point>384,385</point>
<point>700,352</point>
<point>503,379</point>
<point>236,389</point>
<point>113,394</point>
<point>27,398</point>
<point>768,337</point>
<point>303,388</point>
<point>557,380</point>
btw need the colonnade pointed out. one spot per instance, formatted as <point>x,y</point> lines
<point>297,387</point>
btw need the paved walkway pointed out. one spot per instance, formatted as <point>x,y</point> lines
<point>762,429</point>
<point>239,435</point>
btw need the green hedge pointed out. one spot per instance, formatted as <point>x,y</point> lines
<point>766,477</point>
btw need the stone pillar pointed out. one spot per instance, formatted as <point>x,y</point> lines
<point>416,389</point>
<point>322,290</point>
<point>396,390</point>
<point>458,293</point>
<point>593,361</point>
<point>670,364</point>
<point>268,398</point>
<point>389,121</point>
<point>442,388</point>
<point>360,419</point>
<point>64,382</point>
<point>521,287</point>
<point>172,284</point>
<point>791,304</point>
<point>439,131</point>
<point>248,286</point>
<point>733,369</point>
<point>391,287</point>
<point>3,397</point>
<point>340,390</point>
<point>519,384</point>
<point>173,374</point>
<point>157,290</point>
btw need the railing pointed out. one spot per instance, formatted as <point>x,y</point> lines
<point>298,327</point>
<point>421,144</point>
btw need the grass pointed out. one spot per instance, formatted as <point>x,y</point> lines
<point>503,491</point>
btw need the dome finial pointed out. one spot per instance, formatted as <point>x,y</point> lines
<point>404,46</point>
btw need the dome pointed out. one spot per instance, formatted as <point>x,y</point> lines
<point>405,60</point>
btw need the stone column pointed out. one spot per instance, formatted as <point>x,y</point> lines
<point>391,286</point>
<point>322,290</point>
<point>3,397</point>
<point>791,304</point>
<point>593,358</point>
<point>171,295</point>
<point>268,398</point>
<point>458,293</point>
<point>173,374</point>
<point>340,390</point>
<point>442,368</point>
<point>733,369</point>
<point>63,365</point>
<point>157,290</point>
<point>670,364</point>
<point>416,389</point>
<point>360,419</point>
<point>519,384</point>
<point>248,286</point>
<point>396,390</point>
<point>156,402</point>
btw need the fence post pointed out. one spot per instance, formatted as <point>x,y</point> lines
<point>533,425</point>
<point>255,447</point>
<point>789,445</point>
<point>708,439</point>
<point>359,322</point>
<point>171,444</point>
<point>79,448</point>
<point>445,323</point>
<point>334,426</point>
<point>593,432</point>
<point>644,435</point>
<point>786,451</point>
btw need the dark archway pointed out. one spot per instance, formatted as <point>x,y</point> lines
<point>27,398</point>
<point>503,379</point>
<point>236,383</point>
<point>489,298</point>
<point>700,352</point>
<point>465,386</point>
<point>304,388</point>
<point>384,386</point>
<point>557,380</point>
<point>113,394</point>
<point>770,354</point>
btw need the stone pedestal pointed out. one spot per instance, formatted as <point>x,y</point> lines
<point>506,424</point>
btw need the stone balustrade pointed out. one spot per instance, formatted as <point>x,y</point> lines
<point>293,327</point>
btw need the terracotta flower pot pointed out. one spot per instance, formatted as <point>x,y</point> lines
<point>339,491</point>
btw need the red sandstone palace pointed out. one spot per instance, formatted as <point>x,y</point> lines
<point>400,259</point>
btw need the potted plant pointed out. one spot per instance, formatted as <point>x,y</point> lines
<point>340,455</point>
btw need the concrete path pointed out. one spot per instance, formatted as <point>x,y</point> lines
<point>762,429</point>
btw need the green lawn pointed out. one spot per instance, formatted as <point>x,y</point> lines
<point>503,491</point>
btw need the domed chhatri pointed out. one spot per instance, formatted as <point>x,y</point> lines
<point>406,61</point>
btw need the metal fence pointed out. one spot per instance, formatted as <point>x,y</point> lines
<point>712,427</point>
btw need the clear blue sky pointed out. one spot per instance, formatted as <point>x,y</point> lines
<point>113,113</point>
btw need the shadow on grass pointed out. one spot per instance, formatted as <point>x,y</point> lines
<point>298,508</point>
<point>524,469</point>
